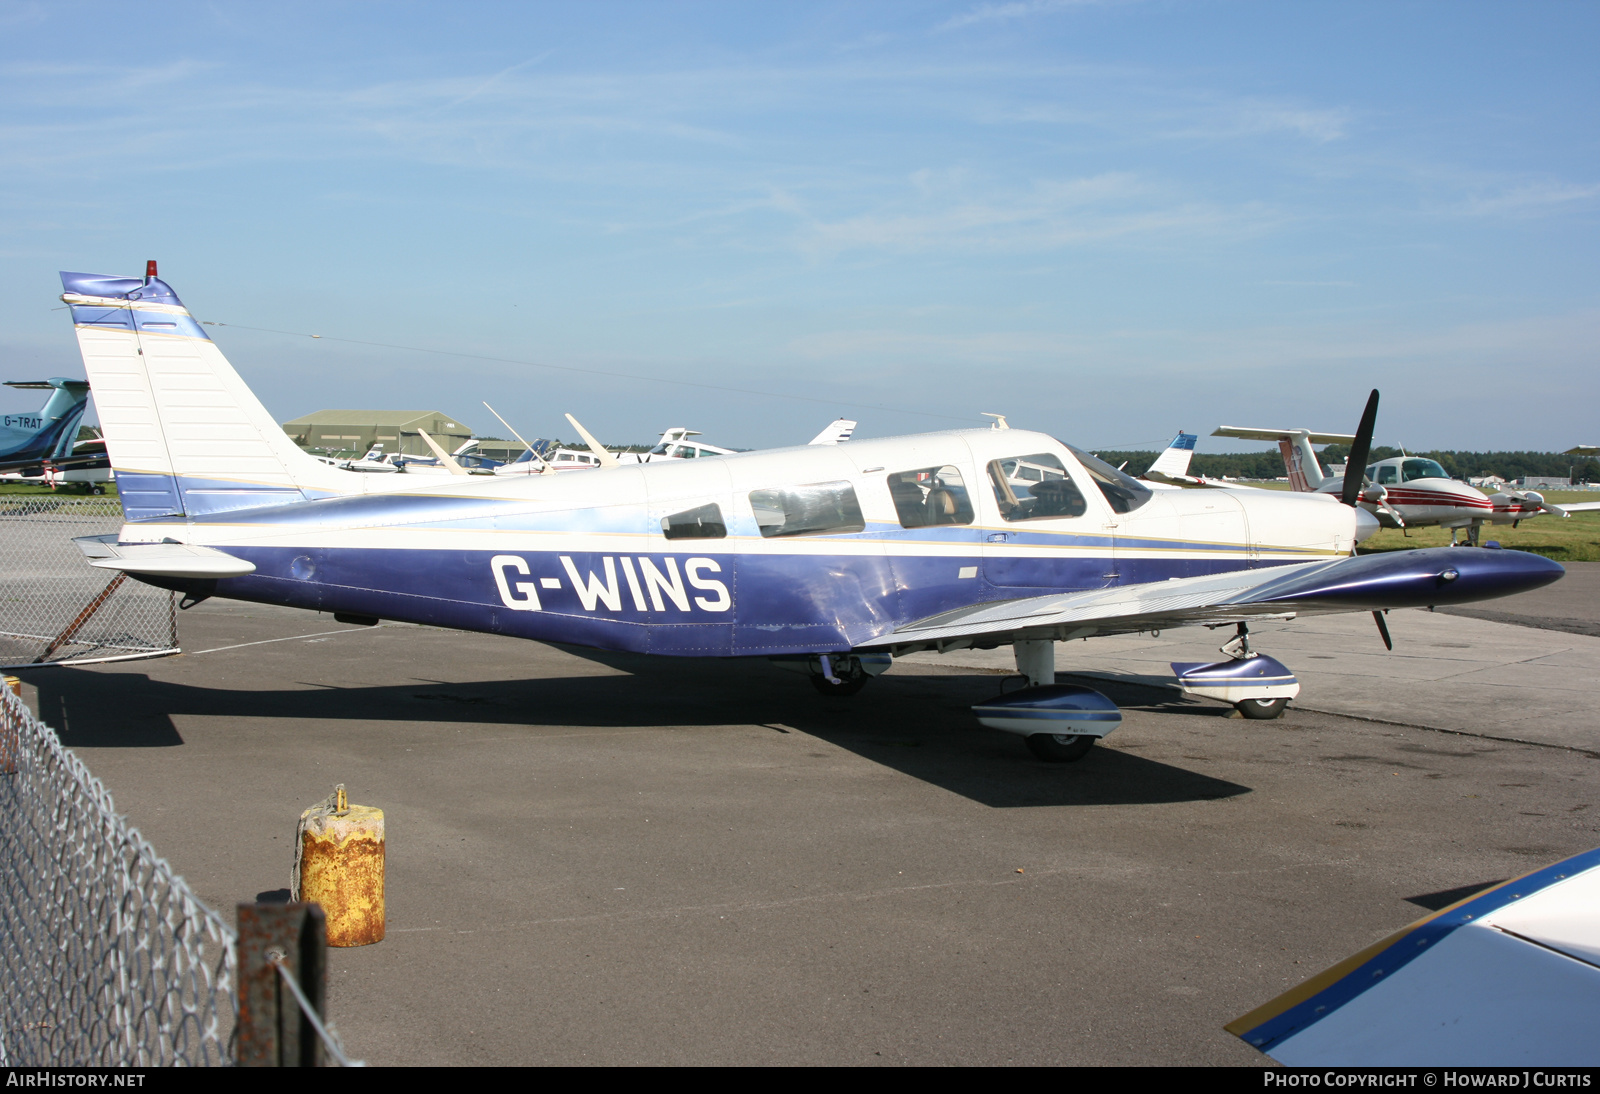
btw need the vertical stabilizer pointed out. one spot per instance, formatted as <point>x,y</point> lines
<point>1174,462</point>
<point>838,431</point>
<point>185,435</point>
<point>48,433</point>
<point>1300,462</point>
<point>1299,458</point>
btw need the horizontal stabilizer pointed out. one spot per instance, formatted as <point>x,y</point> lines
<point>1248,434</point>
<point>161,559</point>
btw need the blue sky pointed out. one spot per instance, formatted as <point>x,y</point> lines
<point>1107,220</point>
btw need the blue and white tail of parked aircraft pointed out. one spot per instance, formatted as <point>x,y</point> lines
<point>28,441</point>
<point>833,558</point>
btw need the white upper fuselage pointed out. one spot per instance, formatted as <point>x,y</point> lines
<point>610,509</point>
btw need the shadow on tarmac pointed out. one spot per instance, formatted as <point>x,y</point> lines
<point>1435,902</point>
<point>920,725</point>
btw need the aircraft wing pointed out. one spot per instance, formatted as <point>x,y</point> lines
<point>1509,977</point>
<point>1378,582</point>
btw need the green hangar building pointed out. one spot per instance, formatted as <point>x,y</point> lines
<point>358,430</point>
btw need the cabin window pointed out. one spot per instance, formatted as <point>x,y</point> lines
<point>931,495</point>
<point>822,508</point>
<point>704,522</point>
<point>1034,487</point>
<point>1421,469</point>
<point>1387,475</point>
<point>1124,492</point>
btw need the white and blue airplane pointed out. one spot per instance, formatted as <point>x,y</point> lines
<point>28,441</point>
<point>831,558</point>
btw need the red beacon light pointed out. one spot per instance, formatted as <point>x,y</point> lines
<point>149,270</point>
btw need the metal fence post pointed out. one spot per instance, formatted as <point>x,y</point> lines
<point>272,1030</point>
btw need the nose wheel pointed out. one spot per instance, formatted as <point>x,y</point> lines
<point>1059,748</point>
<point>1261,709</point>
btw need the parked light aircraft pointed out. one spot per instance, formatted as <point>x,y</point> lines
<point>673,445</point>
<point>29,441</point>
<point>835,558</point>
<point>1405,491</point>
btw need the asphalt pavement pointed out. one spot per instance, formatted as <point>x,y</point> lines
<point>610,859</point>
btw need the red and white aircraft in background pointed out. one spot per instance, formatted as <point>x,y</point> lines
<point>1405,491</point>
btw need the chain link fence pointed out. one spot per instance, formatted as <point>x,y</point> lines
<point>107,958</point>
<point>55,607</point>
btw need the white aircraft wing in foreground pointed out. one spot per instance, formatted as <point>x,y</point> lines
<point>1507,978</point>
<point>827,558</point>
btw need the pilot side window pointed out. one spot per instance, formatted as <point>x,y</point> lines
<point>1388,475</point>
<point>1122,491</point>
<point>703,522</point>
<point>1421,469</point>
<point>932,495</point>
<point>1034,487</point>
<point>818,509</point>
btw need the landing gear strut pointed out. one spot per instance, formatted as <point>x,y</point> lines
<point>840,676</point>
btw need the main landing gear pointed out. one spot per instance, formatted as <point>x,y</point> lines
<point>1258,686</point>
<point>1059,722</point>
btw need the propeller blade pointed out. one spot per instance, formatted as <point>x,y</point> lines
<point>1383,629</point>
<point>1355,467</point>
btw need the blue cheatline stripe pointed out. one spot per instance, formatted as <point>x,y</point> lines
<point>1203,680</point>
<point>1055,714</point>
<point>1407,947</point>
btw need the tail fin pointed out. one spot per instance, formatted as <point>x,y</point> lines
<point>185,435</point>
<point>838,431</point>
<point>1299,459</point>
<point>49,432</point>
<point>1174,462</point>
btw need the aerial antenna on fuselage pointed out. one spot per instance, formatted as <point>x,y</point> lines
<point>999,420</point>
<point>544,465</point>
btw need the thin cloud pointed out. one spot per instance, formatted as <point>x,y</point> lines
<point>1045,217</point>
<point>1530,199</point>
<point>1002,13</point>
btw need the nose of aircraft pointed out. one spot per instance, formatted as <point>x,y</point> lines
<point>1366,525</point>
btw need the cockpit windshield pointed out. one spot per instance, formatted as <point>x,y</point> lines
<point>1123,491</point>
<point>1421,469</point>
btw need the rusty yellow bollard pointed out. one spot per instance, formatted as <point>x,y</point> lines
<point>339,865</point>
<point>8,732</point>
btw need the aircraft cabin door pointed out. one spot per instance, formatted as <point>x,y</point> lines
<point>1050,535</point>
